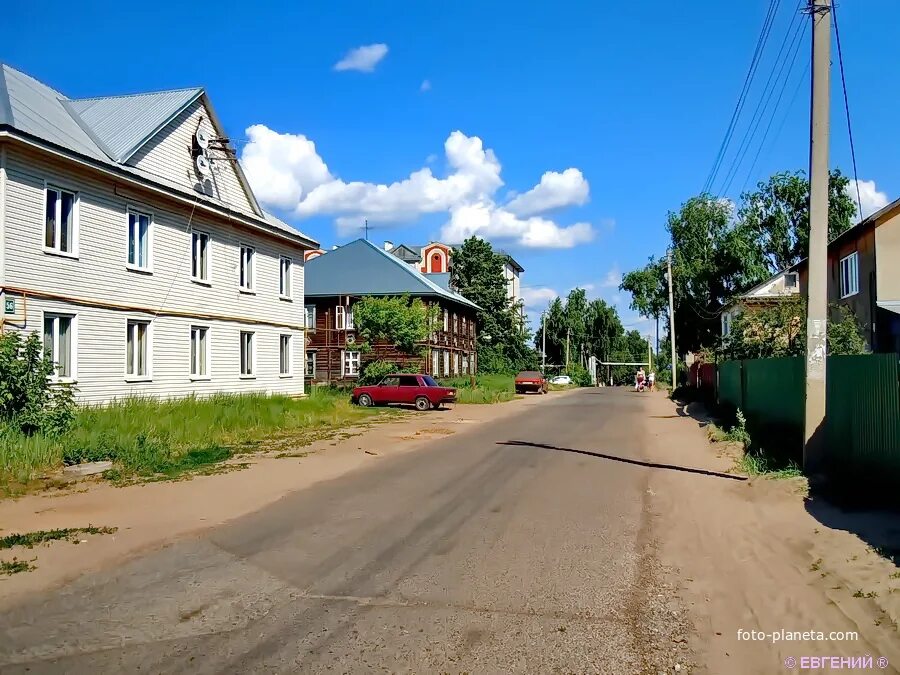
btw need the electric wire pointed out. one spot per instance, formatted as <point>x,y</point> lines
<point>837,34</point>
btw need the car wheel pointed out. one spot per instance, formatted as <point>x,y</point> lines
<point>365,400</point>
<point>422,403</point>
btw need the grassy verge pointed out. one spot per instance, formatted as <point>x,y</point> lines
<point>488,388</point>
<point>32,539</point>
<point>754,461</point>
<point>147,438</point>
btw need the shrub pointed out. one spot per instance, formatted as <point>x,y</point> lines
<point>29,402</point>
<point>376,370</point>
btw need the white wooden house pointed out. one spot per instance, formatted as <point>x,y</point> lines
<point>132,243</point>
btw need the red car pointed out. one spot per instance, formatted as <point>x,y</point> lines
<point>531,380</point>
<point>419,390</point>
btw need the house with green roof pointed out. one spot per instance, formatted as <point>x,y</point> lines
<point>337,279</point>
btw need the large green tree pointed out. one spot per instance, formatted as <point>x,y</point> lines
<point>503,340</point>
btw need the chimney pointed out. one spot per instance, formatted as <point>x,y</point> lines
<point>388,245</point>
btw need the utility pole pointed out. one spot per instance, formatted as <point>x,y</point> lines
<point>568,333</point>
<point>671,317</point>
<point>544,342</point>
<point>817,288</point>
<point>649,352</point>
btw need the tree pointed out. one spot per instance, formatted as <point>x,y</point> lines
<point>398,320</point>
<point>476,272</point>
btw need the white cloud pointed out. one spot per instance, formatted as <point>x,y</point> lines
<point>425,86</point>
<point>612,279</point>
<point>555,191</point>
<point>871,200</point>
<point>362,59</point>
<point>537,297</point>
<point>285,171</point>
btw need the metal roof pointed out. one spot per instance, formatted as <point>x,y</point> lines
<point>362,268</point>
<point>32,108</point>
<point>122,124</point>
<point>442,279</point>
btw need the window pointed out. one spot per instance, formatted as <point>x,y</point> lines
<point>285,278</point>
<point>435,362</point>
<point>59,227</point>
<point>248,354</point>
<point>790,280</point>
<point>409,381</point>
<point>311,317</point>
<point>248,268</point>
<point>200,256</point>
<point>429,381</point>
<point>139,240</point>
<point>138,350</point>
<point>350,324</point>
<point>350,364</point>
<point>343,318</point>
<point>456,363</point>
<point>58,329</point>
<point>446,320</point>
<point>465,364</point>
<point>446,363</point>
<point>850,275</point>
<point>199,352</point>
<point>311,363</point>
<point>284,352</point>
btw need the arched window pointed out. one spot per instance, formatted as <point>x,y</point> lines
<point>437,262</point>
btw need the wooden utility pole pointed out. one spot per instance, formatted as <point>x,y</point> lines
<point>817,287</point>
<point>671,317</point>
<point>568,334</point>
<point>544,342</point>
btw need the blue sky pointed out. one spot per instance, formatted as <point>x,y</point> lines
<point>634,97</point>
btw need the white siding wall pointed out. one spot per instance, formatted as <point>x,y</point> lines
<point>100,275</point>
<point>168,155</point>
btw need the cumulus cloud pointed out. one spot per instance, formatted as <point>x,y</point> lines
<point>871,200</point>
<point>555,191</point>
<point>612,279</point>
<point>425,86</point>
<point>362,59</point>
<point>537,296</point>
<point>286,172</point>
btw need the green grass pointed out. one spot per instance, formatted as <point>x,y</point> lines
<point>165,439</point>
<point>488,388</point>
<point>15,566</point>
<point>32,539</point>
<point>758,464</point>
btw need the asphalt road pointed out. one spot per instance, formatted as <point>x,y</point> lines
<point>484,552</point>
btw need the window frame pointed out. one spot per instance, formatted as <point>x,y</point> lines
<point>251,374</point>
<point>72,377</point>
<point>315,364</point>
<point>197,376</point>
<point>310,326</point>
<point>852,289</point>
<point>134,376</point>
<point>59,188</point>
<point>251,289</point>
<point>340,312</point>
<point>289,296</point>
<point>203,281</point>
<point>344,369</point>
<point>138,211</point>
<point>290,355</point>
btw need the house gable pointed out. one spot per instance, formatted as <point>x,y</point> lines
<point>168,155</point>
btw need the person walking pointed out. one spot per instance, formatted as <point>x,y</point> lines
<point>651,379</point>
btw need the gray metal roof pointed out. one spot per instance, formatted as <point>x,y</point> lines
<point>33,108</point>
<point>442,279</point>
<point>362,268</point>
<point>122,124</point>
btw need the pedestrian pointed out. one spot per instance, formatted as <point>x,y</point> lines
<point>640,379</point>
<point>651,378</point>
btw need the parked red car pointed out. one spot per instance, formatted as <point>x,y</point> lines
<point>531,380</point>
<point>419,390</point>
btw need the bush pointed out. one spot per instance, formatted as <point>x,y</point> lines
<point>373,372</point>
<point>580,375</point>
<point>29,402</point>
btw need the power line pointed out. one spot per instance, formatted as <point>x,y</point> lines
<point>792,39</point>
<point>837,34</point>
<point>742,97</point>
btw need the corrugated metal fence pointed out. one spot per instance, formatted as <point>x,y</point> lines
<point>862,417</point>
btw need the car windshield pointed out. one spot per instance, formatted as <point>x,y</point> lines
<point>429,381</point>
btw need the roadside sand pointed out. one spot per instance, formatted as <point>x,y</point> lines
<point>152,515</point>
<point>750,555</point>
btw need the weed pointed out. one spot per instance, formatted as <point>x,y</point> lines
<point>895,575</point>
<point>32,539</point>
<point>738,433</point>
<point>757,464</point>
<point>14,566</point>
<point>816,565</point>
<point>285,455</point>
<point>859,594</point>
<point>488,388</point>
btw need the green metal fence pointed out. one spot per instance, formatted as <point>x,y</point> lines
<point>862,415</point>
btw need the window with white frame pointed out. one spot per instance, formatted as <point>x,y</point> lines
<point>350,324</point>
<point>850,275</point>
<point>200,256</point>
<point>350,364</point>
<point>199,351</point>
<point>59,226</point>
<point>137,352</point>
<point>446,320</point>
<point>286,267</point>
<point>311,363</point>
<point>340,317</point>
<point>248,353</point>
<point>284,355</point>
<point>311,317</point>
<point>247,278</point>
<point>139,252</point>
<point>58,343</point>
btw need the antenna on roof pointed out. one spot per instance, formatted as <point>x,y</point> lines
<point>367,228</point>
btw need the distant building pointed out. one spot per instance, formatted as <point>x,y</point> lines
<point>336,280</point>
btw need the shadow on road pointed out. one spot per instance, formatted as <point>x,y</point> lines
<point>626,460</point>
<point>875,521</point>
